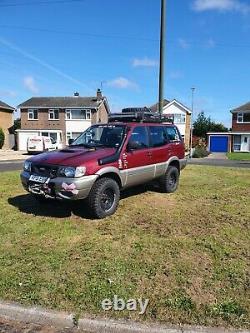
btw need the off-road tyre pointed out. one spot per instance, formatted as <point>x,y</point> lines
<point>104,197</point>
<point>170,181</point>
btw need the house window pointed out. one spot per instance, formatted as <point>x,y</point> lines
<point>78,114</point>
<point>73,135</point>
<point>53,114</point>
<point>243,117</point>
<point>179,118</point>
<point>32,114</point>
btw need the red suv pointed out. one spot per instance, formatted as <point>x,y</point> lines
<point>106,159</point>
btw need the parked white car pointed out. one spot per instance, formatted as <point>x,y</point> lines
<point>39,144</point>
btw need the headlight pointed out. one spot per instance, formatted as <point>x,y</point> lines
<point>71,172</point>
<point>80,171</point>
<point>27,166</point>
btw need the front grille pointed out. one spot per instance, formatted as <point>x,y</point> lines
<point>49,171</point>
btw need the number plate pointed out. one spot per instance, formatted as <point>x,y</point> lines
<point>38,179</point>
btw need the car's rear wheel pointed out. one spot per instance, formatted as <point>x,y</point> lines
<point>170,181</point>
<point>104,197</point>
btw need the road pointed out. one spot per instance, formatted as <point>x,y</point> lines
<point>11,166</point>
<point>219,162</point>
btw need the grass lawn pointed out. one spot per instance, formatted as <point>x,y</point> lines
<point>239,156</point>
<point>187,252</point>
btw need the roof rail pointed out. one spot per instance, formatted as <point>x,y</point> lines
<point>140,116</point>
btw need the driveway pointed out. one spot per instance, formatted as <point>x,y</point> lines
<point>217,156</point>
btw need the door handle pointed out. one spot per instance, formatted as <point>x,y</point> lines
<point>149,154</point>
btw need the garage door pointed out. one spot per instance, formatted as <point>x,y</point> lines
<point>23,138</point>
<point>218,144</point>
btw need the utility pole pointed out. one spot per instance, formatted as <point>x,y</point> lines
<point>162,56</point>
<point>192,121</point>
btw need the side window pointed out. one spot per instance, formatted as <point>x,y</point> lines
<point>138,138</point>
<point>158,136</point>
<point>172,134</point>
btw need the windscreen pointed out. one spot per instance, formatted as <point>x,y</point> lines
<point>101,136</point>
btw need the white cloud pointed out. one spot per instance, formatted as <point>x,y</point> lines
<point>144,62</point>
<point>30,84</point>
<point>183,43</point>
<point>122,83</point>
<point>221,5</point>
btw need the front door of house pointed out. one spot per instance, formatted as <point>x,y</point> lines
<point>245,143</point>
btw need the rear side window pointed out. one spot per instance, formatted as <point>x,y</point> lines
<point>139,138</point>
<point>173,134</point>
<point>158,136</point>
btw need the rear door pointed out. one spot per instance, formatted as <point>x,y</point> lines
<point>137,161</point>
<point>176,145</point>
<point>160,148</point>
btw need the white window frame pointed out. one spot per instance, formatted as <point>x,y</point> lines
<point>240,118</point>
<point>182,118</point>
<point>31,114</point>
<point>68,115</point>
<point>52,112</point>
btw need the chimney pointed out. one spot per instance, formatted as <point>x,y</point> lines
<point>76,94</point>
<point>99,94</point>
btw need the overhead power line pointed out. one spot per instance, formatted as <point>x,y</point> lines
<point>78,33</point>
<point>34,3</point>
<point>195,43</point>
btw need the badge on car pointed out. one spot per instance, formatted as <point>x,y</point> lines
<point>38,179</point>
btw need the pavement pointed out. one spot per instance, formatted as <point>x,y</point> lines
<point>12,155</point>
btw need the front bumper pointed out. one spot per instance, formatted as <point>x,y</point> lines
<point>60,187</point>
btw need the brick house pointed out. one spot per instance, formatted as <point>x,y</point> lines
<point>238,140</point>
<point>181,116</point>
<point>6,122</point>
<point>61,118</point>
<point>241,128</point>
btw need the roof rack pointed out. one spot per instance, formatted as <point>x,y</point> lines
<point>140,115</point>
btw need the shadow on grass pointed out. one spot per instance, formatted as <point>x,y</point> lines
<point>28,204</point>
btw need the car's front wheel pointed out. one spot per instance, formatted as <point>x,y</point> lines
<point>104,197</point>
<point>170,181</point>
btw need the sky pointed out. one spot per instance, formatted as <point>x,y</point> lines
<point>57,47</point>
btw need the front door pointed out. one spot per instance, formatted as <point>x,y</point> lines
<point>137,159</point>
<point>245,143</point>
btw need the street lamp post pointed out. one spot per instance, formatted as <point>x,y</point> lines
<point>162,55</point>
<point>192,121</point>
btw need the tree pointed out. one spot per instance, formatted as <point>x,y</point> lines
<point>204,124</point>
<point>2,138</point>
<point>17,125</point>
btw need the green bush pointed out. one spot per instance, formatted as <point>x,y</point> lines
<point>2,137</point>
<point>200,151</point>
